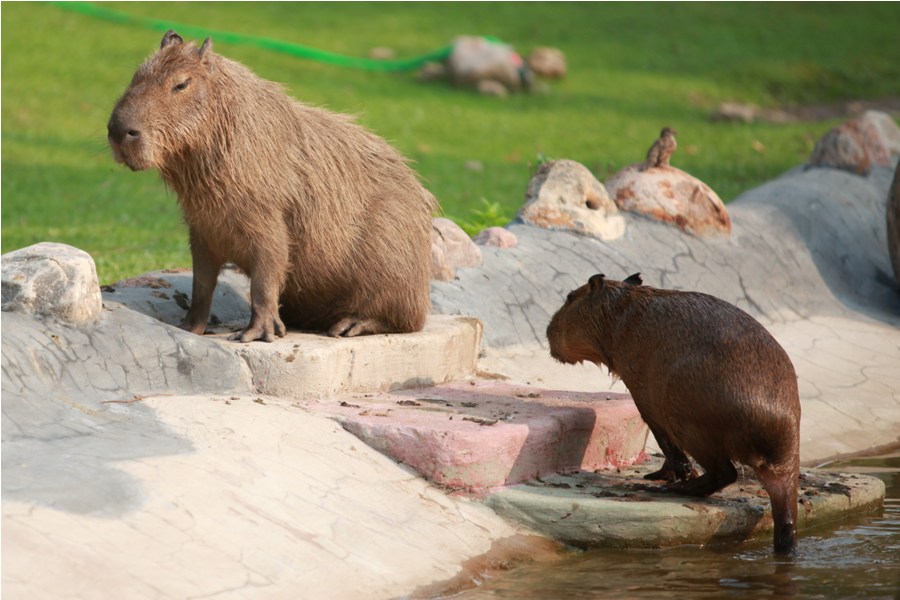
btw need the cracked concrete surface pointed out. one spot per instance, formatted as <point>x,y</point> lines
<point>807,257</point>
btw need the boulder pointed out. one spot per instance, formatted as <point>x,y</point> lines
<point>547,62</point>
<point>498,237</point>
<point>451,248</point>
<point>893,223</point>
<point>564,194</point>
<point>52,280</point>
<point>670,195</point>
<point>477,59</point>
<point>859,144</point>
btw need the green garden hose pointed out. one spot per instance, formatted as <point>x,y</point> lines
<point>298,50</point>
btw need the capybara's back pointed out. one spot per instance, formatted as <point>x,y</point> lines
<point>708,379</point>
<point>325,217</point>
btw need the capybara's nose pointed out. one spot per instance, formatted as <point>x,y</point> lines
<point>118,131</point>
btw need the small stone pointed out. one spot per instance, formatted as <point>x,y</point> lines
<point>497,237</point>
<point>432,71</point>
<point>564,194</point>
<point>382,53</point>
<point>489,87</point>
<point>734,111</point>
<point>548,62</point>
<point>52,280</point>
<point>451,248</point>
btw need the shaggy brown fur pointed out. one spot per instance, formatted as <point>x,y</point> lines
<point>708,379</point>
<point>324,216</point>
<point>662,150</point>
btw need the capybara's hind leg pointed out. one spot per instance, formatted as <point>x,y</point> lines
<point>354,326</point>
<point>782,489</point>
<point>716,476</point>
<point>677,467</point>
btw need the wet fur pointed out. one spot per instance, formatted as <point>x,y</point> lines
<point>708,379</point>
<point>325,217</point>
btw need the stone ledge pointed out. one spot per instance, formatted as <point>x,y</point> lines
<point>477,436</point>
<point>620,509</point>
<point>310,366</point>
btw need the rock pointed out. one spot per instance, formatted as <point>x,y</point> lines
<point>670,195</point>
<point>451,248</point>
<point>858,144</point>
<point>432,71</point>
<point>548,62</point>
<point>497,237</point>
<point>734,111</point>
<point>489,87</point>
<point>476,59</point>
<point>893,223</point>
<point>382,53</point>
<point>52,280</point>
<point>564,194</point>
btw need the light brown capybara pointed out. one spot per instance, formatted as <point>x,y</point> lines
<point>707,378</point>
<point>325,217</point>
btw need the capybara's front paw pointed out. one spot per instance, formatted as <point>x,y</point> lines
<point>265,330</point>
<point>193,326</point>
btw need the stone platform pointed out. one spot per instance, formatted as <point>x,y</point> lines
<point>620,509</point>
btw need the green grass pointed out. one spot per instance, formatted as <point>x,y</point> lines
<point>634,68</point>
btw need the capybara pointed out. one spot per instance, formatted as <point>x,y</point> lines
<point>707,378</point>
<point>325,217</point>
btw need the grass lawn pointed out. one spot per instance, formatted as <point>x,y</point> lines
<point>634,68</point>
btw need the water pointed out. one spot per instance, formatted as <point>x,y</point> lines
<point>855,558</point>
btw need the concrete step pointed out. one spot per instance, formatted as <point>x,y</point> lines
<point>305,365</point>
<point>311,366</point>
<point>479,435</point>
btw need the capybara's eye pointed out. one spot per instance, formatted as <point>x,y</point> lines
<point>181,86</point>
<point>570,297</point>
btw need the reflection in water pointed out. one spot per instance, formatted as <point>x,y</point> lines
<point>855,558</point>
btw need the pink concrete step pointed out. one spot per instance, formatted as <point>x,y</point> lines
<point>477,436</point>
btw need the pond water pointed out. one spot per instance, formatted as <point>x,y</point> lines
<point>858,557</point>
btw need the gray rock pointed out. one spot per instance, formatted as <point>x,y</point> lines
<point>497,237</point>
<point>51,280</point>
<point>670,195</point>
<point>563,194</point>
<point>859,144</point>
<point>476,59</point>
<point>451,248</point>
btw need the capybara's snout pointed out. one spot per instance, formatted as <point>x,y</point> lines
<point>120,132</point>
<point>126,140</point>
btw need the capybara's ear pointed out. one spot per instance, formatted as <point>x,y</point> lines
<point>634,279</point>
<point>596,281</point>
<point>170,38</point>
<point>205,49</point>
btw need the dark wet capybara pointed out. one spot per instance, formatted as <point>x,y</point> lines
<point>707,378</point>
<point>325,217</point>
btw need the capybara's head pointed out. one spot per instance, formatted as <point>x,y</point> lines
<point>163,108</point>
<point>577,330</point>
